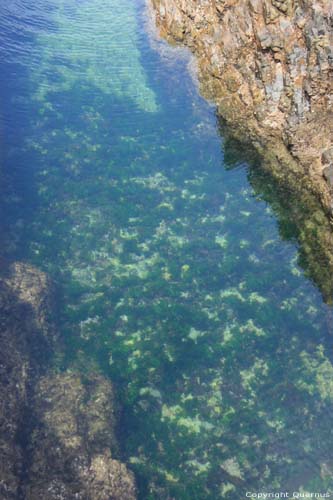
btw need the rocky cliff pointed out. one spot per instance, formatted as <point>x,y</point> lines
<point>268,64</point>
<point>57,430</point>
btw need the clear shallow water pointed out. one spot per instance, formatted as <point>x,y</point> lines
<point>172,277</point>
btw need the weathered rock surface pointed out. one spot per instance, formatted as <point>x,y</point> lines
<point>268,64</point>
<point>57,431</point>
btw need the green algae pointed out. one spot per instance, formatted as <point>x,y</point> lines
<point>298,211</point>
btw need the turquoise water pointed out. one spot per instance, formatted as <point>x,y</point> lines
<point>171,274</point>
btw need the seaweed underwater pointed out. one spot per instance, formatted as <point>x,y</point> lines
<point>173,277</point>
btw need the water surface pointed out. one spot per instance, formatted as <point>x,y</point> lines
<point>173,279</point>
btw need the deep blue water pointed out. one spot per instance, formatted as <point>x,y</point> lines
<point>172,277</point>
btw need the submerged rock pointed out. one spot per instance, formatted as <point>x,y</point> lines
<point>57,432</point>
<point>25,333</point>
<point>72,445</point>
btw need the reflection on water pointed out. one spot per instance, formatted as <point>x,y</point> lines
<point>173,276</point>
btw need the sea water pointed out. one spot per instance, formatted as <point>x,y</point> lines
<point>172,277</point>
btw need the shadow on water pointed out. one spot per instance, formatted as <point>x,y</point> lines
<point>300,217</point>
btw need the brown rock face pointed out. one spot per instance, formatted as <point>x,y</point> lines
<point>57,431</point>
<point>268,65</point>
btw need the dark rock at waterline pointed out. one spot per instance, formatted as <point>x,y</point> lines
<point>57,435</point>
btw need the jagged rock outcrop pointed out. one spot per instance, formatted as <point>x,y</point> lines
<point>268,64</point>
<point>57,430</point>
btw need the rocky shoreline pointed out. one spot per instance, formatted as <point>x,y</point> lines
<point>268,65</point>
<point>57,432</point>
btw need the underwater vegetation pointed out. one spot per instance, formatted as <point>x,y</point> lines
<point>173,277</point>
<point>94,44</point>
